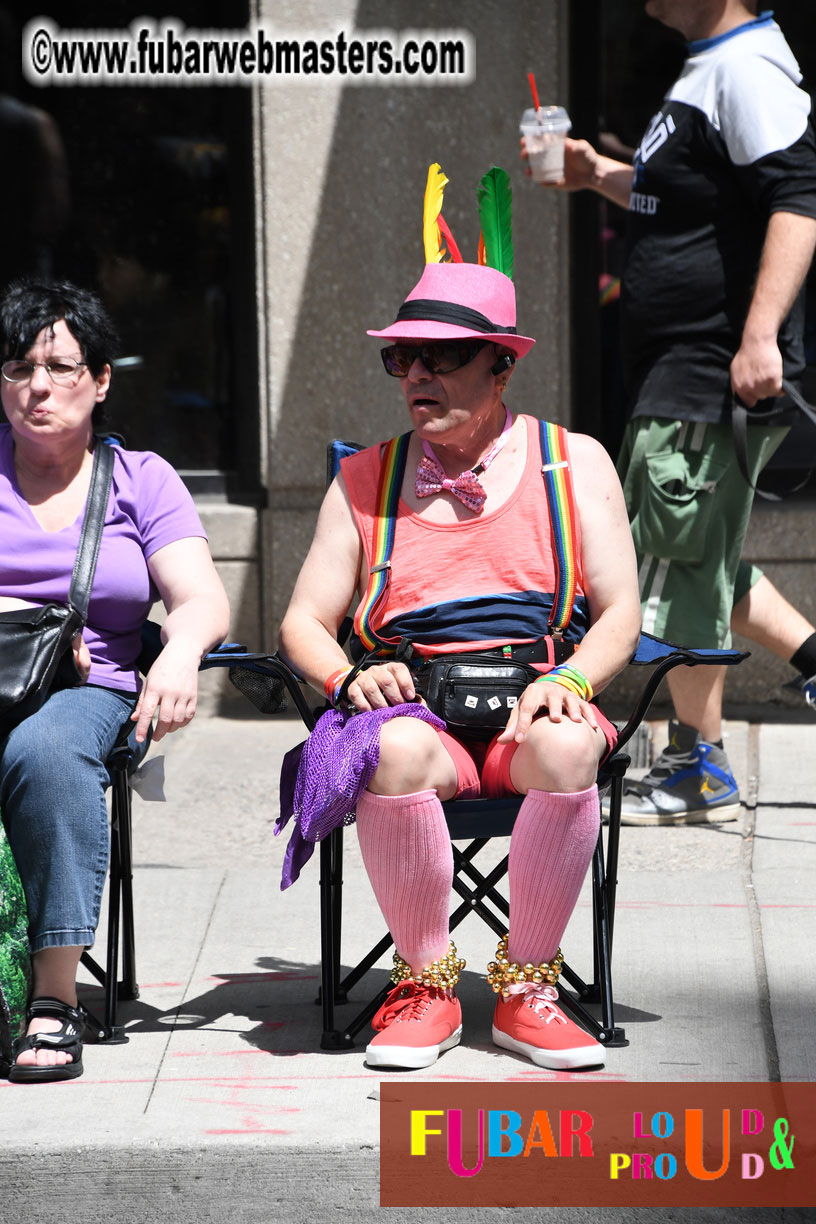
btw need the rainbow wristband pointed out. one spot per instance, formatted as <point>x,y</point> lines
<point>333,683</point>
<point>570,678</point>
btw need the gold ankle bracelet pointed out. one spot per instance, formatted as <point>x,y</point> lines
<point>503,973</point>
<point>443,973</point>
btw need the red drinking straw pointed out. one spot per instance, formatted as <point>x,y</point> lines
<point>533,90</point>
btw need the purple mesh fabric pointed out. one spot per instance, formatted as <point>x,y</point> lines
<point>322,779</point>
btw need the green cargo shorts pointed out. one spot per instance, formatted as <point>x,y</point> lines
<point>689,507</point>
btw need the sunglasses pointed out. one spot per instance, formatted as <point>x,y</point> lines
<point>440,357</point>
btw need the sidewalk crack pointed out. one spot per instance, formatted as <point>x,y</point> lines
<point>747,864</point>
<point>186,991</point>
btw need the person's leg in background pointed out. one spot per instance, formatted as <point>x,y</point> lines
<point>763,615</point>
<point>689,508</point>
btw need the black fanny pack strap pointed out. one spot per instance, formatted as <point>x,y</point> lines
<point>741,418</point>
<point>92,524</point>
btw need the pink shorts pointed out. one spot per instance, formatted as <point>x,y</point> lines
<point>483,768</point>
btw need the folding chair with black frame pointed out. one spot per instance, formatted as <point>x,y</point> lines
<point>125,758</point>
<point>477,822</point>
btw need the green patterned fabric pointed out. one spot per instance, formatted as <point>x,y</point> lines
<point>15,963</point>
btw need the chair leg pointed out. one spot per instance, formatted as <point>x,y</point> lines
<point>127,987</point>
<point>603,902</point>
<point>474,897</point>
<point>331,886</point>
<point>121,877</point>
<point>120,913</point>
<point>612,847</point>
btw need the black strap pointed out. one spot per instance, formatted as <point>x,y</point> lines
<point>741,418</point>
<point>92,524</point>
<point>424,309</point>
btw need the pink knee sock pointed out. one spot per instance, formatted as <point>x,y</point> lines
<point>550,850</point>
<point>407,853</point>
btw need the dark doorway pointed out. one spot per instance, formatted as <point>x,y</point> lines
<point>146,194</point>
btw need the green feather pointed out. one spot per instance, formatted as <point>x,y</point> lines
<point>496,218</point>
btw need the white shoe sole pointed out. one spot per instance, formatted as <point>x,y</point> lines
<point>714,815</point>
<point>409,1058</point>
<point>553,1060</point>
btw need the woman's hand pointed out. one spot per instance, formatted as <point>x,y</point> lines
<point>82,658</point>
<point>387,684</point>
<point>171,689</point>
<point>545,697</point>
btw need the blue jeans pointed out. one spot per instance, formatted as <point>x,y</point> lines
<point>52,795</point>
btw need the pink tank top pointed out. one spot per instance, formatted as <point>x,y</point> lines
<point>480,564</point>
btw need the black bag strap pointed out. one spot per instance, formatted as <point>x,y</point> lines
<point>92,524</point>
<point>741,417</point>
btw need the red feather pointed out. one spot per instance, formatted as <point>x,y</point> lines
<point>453,249</point>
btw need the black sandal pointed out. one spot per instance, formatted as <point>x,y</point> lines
<point>67,1038</point>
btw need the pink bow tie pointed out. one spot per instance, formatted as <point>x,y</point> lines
<point>430,479</point>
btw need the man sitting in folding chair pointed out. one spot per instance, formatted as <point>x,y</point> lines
<point>476,532</point>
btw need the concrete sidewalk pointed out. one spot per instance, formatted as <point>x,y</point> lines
<point>222,1105</point>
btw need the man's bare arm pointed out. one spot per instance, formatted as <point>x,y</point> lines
<point>756,371</point>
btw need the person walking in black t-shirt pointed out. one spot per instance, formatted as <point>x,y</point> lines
<point>721,232</point>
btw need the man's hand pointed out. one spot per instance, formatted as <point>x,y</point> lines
<point>387,684</point>
<point>581,163</point>
<point>756,371</point>
<point>545,697</point>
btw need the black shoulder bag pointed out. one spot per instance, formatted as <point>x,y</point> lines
<point>35,643</point>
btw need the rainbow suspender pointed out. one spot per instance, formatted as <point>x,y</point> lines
<point>561,505</point>
<point>388,494</point>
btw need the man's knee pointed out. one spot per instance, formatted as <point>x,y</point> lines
<point>558,756</point>
<point>410,756</point>
<point>406,741</point>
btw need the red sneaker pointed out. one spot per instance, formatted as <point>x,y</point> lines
<point>414,1025</point>
<point>530,1022</point>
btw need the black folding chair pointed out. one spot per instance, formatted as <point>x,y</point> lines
<point>121,938</point>
<point>476,822</point>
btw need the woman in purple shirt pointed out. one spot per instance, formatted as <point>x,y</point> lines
<point>57,347</point>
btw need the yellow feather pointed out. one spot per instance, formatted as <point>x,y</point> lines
<point>434,190</point>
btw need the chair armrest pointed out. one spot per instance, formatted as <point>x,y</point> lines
<point>663,656</point>
<point>262,678</point>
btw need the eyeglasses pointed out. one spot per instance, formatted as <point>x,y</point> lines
<point>60,370</point>
<point>440,357</point>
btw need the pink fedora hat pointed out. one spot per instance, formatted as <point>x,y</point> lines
<point>460,301</point>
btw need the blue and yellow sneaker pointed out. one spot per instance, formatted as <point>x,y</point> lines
<point>807,687</point>
<point>690,783</point>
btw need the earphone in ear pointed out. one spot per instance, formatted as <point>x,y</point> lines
<point>504,363</point>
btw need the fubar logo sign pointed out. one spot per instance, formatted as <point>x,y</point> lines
<point>568,1144</point>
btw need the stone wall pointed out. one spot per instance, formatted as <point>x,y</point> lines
<point>341,177</point>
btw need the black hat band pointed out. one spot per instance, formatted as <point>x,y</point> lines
<point>430,311</point>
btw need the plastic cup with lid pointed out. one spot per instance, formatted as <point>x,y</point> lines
<point>544,131</point>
